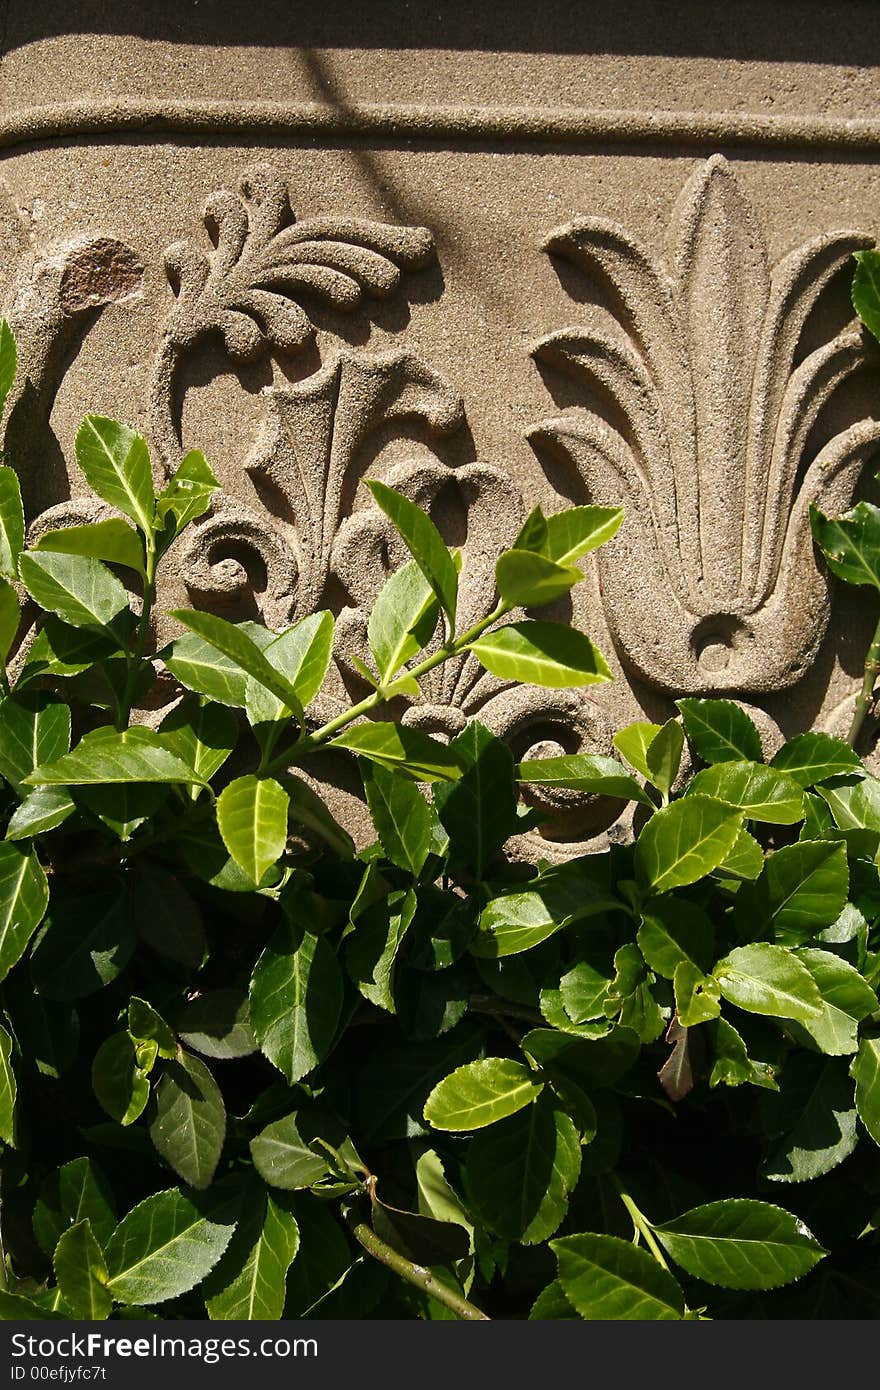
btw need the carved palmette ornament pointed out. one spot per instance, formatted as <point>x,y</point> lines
<point>711,584</point>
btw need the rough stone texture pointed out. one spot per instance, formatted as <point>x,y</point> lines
<point>542,253</point>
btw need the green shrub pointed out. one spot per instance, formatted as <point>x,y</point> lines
<point>247,1072</point>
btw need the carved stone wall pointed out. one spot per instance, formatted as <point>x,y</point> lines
<point>545,253</point>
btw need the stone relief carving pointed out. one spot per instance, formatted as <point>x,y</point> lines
<point>706,413</point>
<point>712,584</point>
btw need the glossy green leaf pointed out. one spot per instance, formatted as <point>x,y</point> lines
<point>515,922</point>
<point>528,580</point>
<point>767,979</point>
<point>437,1197</point>
<point>113,541</point>
<point>813,1120</point>
<point>854,802</point>
<point>78,589</point>
<point>402,620</point>
<point>166,917</point>
<point>371,951</point>
<point>541,653</point>
<point>10,619</point>
<point>421,1239</point>
<point>847,998</point>
<point>201,735</point>
<point>122,806</point>
<point>574,532</point>
<point>814,757</point>
<point>252,818</point>
<point>24,897</point>
<point>11,517</point>
<point>217,1024</point>
<point>866,1071</point>
<point>116,464</point>
<point>76,1191</point>
<point>675,930</point>
<point>42,809</point>
<point>719,731</point>
<point>397,747</point>
<point>866,289</point>
<point>187,496</point>
<point>745,861</point>
<point>86,941</point>
<point>685,841</point>
<point>480,1093</point>
<point>663,756</point>
<point>760,792</point>
<point>584,989</point>
<point>284,1158</point>
<point>803,888</point>
<point>249,1283</point>
<point>145,1024</point>
<point>583,772</point>
<point>697,996</point>
<point>8,1089</point>
<point>81,1273</point>
<point>424,543</point>
<point>478,812</point>
<point>166,1246</point>
<point>33,729</point>
<point>850,543</point>
<point>301,655</point>
<point>732,1064</point>
<point>400,815</point>
<point>633,742</point>
<point>606,1278</point>
<point>296,999</point>
<point>551,1305</point>
<point>121,1085</point>
<point>200,667</point>
<point>235,642</point>
<point>519,1173</point>
<point>189,1127</point>
<point>741,1244</point>
<point>61,650</point>
<point>135,755</point>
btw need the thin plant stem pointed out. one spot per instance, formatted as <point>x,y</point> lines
<point>865,697</point>
<point>414,1274</point>
<point>143,631</point>
<point>641,1224</point>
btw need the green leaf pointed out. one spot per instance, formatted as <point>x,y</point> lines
<point>11,514</point>
<point>200,667</point>
<point>74,1192</point>
<point>515,922</point>
<point>81,1273</point>
<point>814,1120</point>
<point>584,989</point>
<point>697,996</point>
<point>10,619</point>
<point>421,1239</point>
<point>814,757</point>
<point>424,543</point>
<point>124,806</point>
<point>685,841</point>
<point>252,818</point>
<point>541,653</point>
<point>233,641</point>
<point>42,809</point>
<point>478,812</point>
<point>189,1127</point>
<point>120,1084</point>
<point>216,1023</point>
<point>551,1305</point>
<point>437,1197</point>
<point>480,1093</point>
<point>741,1244</point>
<point>402,620</point>
<point>116,464</point>
<point>847,998</point>
<point>675,930</point>
<point>745,861</point>
<point>573,533</point>
<point>401,816</point>
<point>8,1090</point>
<point>371,951</point>
<point>187,496</point>
<point>80,590</point>
<point>803,888</point>
<point>582,772</point>
<point>733,1066</point>
<point>8,361</point>
<point>529,580</point>
<point>166,1246</point>
<point>399,748</point>
<point>608,1278</point>
<point>854,802</point>
<point>302,654</point>
<point>851,543</point>
<point>284,1158</point>
<point>201,735</point>
<point>249,1283</point>
<point>866,1071</point>
<point>760,792</point>
<point>767,979</point>
<point>113,541</point>
<point>519,1173</point>
<point>633,743</point>
<point>33,728</point>
<point>146,1025</point>
<point>24,897</point>
<point>59,650</point>
<point>663,756</point>
<point>166,917</point>
<point>866,289</point>
<point>105,755</point>
<point>86,941</point>
<point>719,731</point>
<point>296,999</point>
